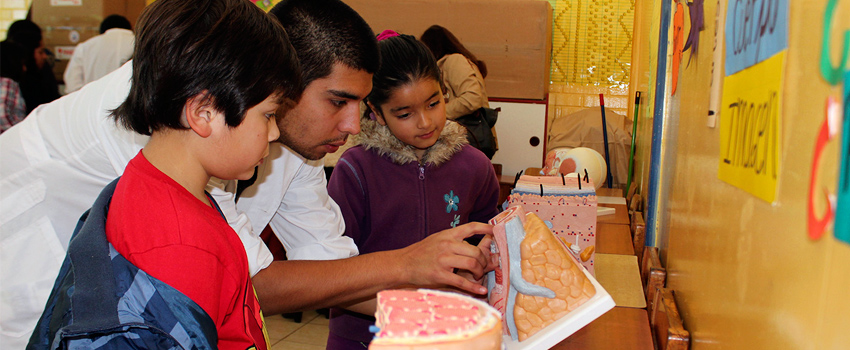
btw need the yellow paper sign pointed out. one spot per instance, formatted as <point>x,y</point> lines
<point>750,127</point>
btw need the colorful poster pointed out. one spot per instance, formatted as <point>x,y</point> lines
<point>755,31</point>
<point>842,208</point>
<point>750,128</point>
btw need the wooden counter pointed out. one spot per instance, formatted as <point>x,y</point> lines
<point>620,216</point>
<point>620,276</point>
<point>619,328</point>
<point>614,239</point>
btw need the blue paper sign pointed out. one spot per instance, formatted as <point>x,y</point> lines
<point>842,207</point>
<point>755,31</point>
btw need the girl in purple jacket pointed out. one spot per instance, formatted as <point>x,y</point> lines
<point>412,173</point>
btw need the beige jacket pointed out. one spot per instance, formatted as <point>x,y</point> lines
<point>465,85</point>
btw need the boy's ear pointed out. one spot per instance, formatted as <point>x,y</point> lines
<point>199,114</point>
<point>377,112</point>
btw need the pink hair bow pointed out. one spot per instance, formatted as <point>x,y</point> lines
<point>386,34</point>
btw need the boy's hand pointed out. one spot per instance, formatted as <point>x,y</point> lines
<point>433,260</point>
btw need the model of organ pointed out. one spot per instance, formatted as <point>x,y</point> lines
<point>433,320</point>
<point>567,205</point>
<point>538,280</point>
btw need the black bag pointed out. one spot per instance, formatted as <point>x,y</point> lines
<point>478,126</point>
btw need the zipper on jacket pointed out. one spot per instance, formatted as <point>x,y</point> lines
<point>423,228</point>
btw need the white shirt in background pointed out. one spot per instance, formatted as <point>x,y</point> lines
<point>97,57</point>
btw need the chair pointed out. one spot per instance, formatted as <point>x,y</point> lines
<point>635,204</point>
<point>638,228</point>
<point>652,274</point>
<point>630,192</point>
<point>666,323</point>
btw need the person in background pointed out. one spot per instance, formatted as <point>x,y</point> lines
<point>463,74</point>
<point>38,84</point>
<point>412,174</point>
<point>101,54</point>
<point>11,72</point>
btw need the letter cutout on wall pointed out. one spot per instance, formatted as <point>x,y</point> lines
<point>696,9</point>
<point>838,116</point>
<point>842,209</point>
<point>818,220</point>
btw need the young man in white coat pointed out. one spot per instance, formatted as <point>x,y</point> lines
<point>56,162</point>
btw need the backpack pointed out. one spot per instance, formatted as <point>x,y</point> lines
<point>479,131</point>
<point>102,301</point>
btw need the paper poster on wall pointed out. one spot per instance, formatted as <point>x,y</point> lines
<point>716,69</point>
<point>842,208</point>
<point>755,31</point>
<point>750,127</point>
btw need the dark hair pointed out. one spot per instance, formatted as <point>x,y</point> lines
<point>114,21</point>
<point>229,48</point>
<point>27,34</point>
<point>403,60</point>
<point>442,42</point>
<point>324,32</point>
<point>12,60</point>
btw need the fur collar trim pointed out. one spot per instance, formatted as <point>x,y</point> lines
<point>377,137</point>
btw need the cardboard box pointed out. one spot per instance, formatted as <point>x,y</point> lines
<point>66,23</point>
<point>513,37</point>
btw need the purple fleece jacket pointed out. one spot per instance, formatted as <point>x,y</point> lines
<point>389,200</point>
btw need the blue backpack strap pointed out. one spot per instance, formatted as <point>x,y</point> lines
<point>90,251</point>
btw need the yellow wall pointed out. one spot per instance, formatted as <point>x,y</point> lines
<point>10,11</point>
<point>745,272</point>
<point>591,55</point>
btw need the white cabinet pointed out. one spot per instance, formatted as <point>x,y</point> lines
<point>518,125</point>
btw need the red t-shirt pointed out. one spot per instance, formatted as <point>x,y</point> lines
<point>164,230</point>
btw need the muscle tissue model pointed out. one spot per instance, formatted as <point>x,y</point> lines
<point>433,320</point>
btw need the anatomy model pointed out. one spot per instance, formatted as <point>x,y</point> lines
<point>538,280</point>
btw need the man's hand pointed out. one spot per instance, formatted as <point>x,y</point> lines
<point>484,246</point>
<point>433,260</point>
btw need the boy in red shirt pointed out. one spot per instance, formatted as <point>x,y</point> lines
<point>208,78</point>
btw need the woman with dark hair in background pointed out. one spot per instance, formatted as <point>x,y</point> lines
<point>38,84</point>
<point>463,73</point>
<point>12,70</point>
<point>463,76</point>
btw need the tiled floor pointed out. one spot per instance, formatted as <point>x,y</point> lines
<point>310,334</point>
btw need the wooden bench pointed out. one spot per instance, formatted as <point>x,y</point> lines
<point>666,322</point>
<point>652,274</point>
<point>638,231</point>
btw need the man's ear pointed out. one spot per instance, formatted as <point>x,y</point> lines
<point>377,112</point>
<point>199,114</point>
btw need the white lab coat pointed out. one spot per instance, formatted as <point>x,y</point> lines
<point>97,57</point>
<point>55,163</point>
